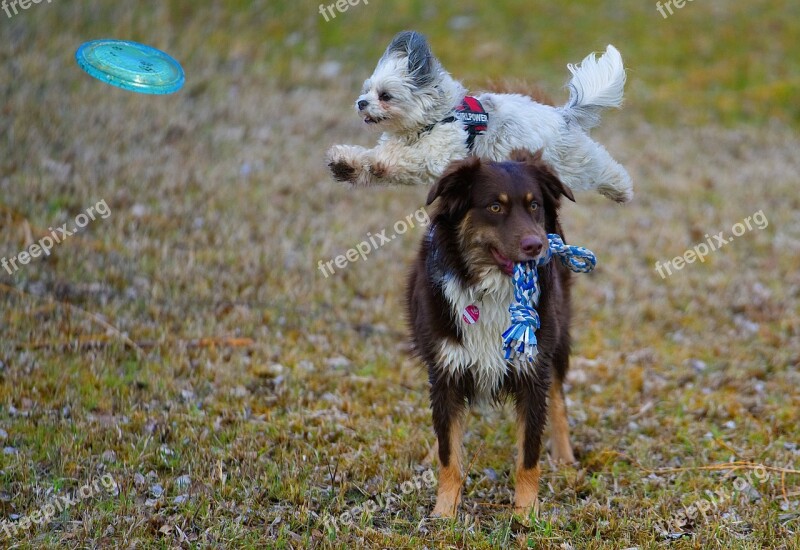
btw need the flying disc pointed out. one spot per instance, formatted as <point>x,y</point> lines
<point>131,66</point>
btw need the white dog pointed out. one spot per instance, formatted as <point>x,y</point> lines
<point>429,121</point>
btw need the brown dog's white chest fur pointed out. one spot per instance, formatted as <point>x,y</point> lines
<point>481,348</point>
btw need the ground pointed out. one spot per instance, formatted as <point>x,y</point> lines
<point>180,372</point>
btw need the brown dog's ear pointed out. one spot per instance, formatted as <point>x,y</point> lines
<point>455,184</point>
<point>542,172</point>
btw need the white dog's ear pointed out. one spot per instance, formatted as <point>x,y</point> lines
<point>414,46</point>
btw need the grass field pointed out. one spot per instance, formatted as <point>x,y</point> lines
<point>180,374</point>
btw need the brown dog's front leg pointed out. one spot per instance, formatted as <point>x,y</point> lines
<point>531,416</point>
<point>449,417</point>
<point>561,450</point>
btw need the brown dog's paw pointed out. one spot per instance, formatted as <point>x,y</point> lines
<point>342,171</point>
<point>447,503</point>
<point>447,512</point>
<point>524,512</point>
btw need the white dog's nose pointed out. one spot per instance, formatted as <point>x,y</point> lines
<point>362,104</point>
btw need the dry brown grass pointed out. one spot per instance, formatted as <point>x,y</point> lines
<point>191,334</point>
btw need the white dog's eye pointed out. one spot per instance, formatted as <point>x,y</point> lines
<point>385,97</point>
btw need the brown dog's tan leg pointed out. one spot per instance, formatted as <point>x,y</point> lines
<point>450,474</point>
<point>526,487</point>
<point>561,450</point>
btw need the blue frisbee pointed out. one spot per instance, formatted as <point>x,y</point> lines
<point>131,66</point>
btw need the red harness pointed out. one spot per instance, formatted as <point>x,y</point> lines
<point>474,118</point>
<point>471,114</point>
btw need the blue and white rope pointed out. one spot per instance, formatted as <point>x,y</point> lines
<point>520,338</point>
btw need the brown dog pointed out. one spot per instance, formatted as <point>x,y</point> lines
<point>489,217</point>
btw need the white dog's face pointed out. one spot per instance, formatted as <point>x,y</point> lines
<point>408,89</point>
<point>387,94</point>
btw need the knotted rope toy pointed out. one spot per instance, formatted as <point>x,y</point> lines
<point>520,338</point>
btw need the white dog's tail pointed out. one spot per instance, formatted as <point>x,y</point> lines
<point>596,84</point>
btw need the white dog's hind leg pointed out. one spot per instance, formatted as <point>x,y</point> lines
<point>617,184</point>
<point>584,164</point>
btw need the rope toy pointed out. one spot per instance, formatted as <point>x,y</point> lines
<point>520,338</point>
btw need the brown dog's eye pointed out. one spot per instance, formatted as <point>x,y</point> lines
<point>534,205</point>
<point>495,208</point>
<point>385,97</point>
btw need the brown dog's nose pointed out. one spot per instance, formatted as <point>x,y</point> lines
<point>362,104</point>
<point>531,245</point>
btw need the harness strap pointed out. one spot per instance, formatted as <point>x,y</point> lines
<point>471,114</point>
<point>474,118</point>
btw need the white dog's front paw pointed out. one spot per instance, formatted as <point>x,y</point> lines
<point>345,163</point>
